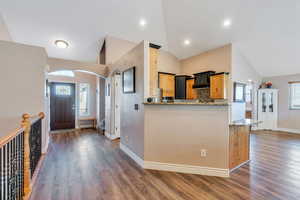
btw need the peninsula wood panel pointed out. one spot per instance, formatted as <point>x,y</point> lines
<point>190,92</point>
<point>167,84</point>
<point>218,86</point>
<point>239,145</point>
<point>153,76</point>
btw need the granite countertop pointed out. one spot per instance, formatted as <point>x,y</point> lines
<point>244,122</point>
<point>188,103</point>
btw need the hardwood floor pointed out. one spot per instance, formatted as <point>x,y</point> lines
<point>87,166</point>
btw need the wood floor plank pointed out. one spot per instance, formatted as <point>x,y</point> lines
<point>87,166</point>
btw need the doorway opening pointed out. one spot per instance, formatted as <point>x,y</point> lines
<point>76,100</point>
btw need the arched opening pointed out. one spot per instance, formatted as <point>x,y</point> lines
<point>76,100</point>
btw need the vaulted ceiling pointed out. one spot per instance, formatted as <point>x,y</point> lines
<point>266,32</point>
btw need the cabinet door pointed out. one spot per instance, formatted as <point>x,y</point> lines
<point>180,87</point>
<point>190,92</point>
<point>167,84</point>
<point>217,87</point>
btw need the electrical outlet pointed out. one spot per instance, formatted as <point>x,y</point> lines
<point>203,152</point>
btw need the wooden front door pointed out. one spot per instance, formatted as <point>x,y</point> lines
<point>62,106</point>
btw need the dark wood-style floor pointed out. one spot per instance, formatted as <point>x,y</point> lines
<point>87,166</point>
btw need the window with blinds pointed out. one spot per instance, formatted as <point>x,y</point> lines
<point>294,95</point>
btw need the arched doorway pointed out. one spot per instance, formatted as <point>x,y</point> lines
<point>76,99</point>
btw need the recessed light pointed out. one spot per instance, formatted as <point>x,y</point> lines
<point>143,22</point>
<point>61,44</point>
<point>187,42</point>
<point>249,80</point>
<point>227,23</point>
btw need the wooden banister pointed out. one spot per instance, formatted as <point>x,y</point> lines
<point>26,124</point>
<point>16,146</point>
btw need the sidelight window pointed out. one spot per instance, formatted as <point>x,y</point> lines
<point>84,92</point>
<point>295,95</point>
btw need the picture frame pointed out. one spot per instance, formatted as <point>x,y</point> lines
<point>239,92</point>
<point>128,80</point>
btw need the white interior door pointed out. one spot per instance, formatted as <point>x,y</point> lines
<point>117,105</point>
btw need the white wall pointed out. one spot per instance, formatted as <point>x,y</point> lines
<point>116,48</point>
<point>243,71</point>
<point>22,81</point>
<point>132,121</point>
<point>81,77</point>
<point>167,62</point>
<point>56,64</point>
<point>287,119</point>
<point>4,33</point>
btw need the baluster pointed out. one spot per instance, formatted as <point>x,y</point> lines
<point>1,174</point>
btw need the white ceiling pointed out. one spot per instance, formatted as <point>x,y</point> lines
<point>266,32</point>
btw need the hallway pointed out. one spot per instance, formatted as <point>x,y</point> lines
<point>87,166</point>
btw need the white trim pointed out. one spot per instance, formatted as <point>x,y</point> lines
<point>189,169</point>
<point>296,131</point>
<point>132,155</point>
<point>110,136</point>
<point>180,168</point>
<point>231,170</point>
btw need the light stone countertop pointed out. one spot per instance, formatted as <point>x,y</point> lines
<point>244,122</point>
<point>188,103</point>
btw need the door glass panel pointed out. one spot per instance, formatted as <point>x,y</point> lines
<point>63,90</point>
<point>271,102</point>
<point>264,106</point>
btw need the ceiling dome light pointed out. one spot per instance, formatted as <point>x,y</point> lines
<point>61,44</point>
<point>187,42</point>
<point>227,23</point>
<point>143,22</point>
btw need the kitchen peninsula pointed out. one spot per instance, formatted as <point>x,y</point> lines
<point>187,124</point>
<point>194,138</point>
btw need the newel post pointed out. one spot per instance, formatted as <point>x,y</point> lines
<point>27,176</point>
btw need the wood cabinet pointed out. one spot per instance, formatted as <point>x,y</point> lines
<point>166,81</point>
<point>190,91</point>
<point>218,86</point>
<point>238,145</point>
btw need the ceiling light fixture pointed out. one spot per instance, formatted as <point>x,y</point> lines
<point>227,23</point>
<point>187,42</point>
<point>61,44</point>
<point>143,22</point>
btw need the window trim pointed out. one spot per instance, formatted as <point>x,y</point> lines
<point>88,101</point>
<point>290,95</point>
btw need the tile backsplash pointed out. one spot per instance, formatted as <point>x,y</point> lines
<point>203,95</point>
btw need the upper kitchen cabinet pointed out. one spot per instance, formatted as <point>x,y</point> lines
<point>218,85</point>
<point>181,86</point>
<point>166,81</point>
<point>153,71</point>
<point>190,91</point>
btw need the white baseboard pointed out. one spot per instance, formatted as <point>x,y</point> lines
<point>132,155</point>
<point>231,170</point>
<point>110,136</point>
<point>296,131</point>
<point>188,169</point>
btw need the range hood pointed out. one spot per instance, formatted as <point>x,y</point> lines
<point>202,79</point>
